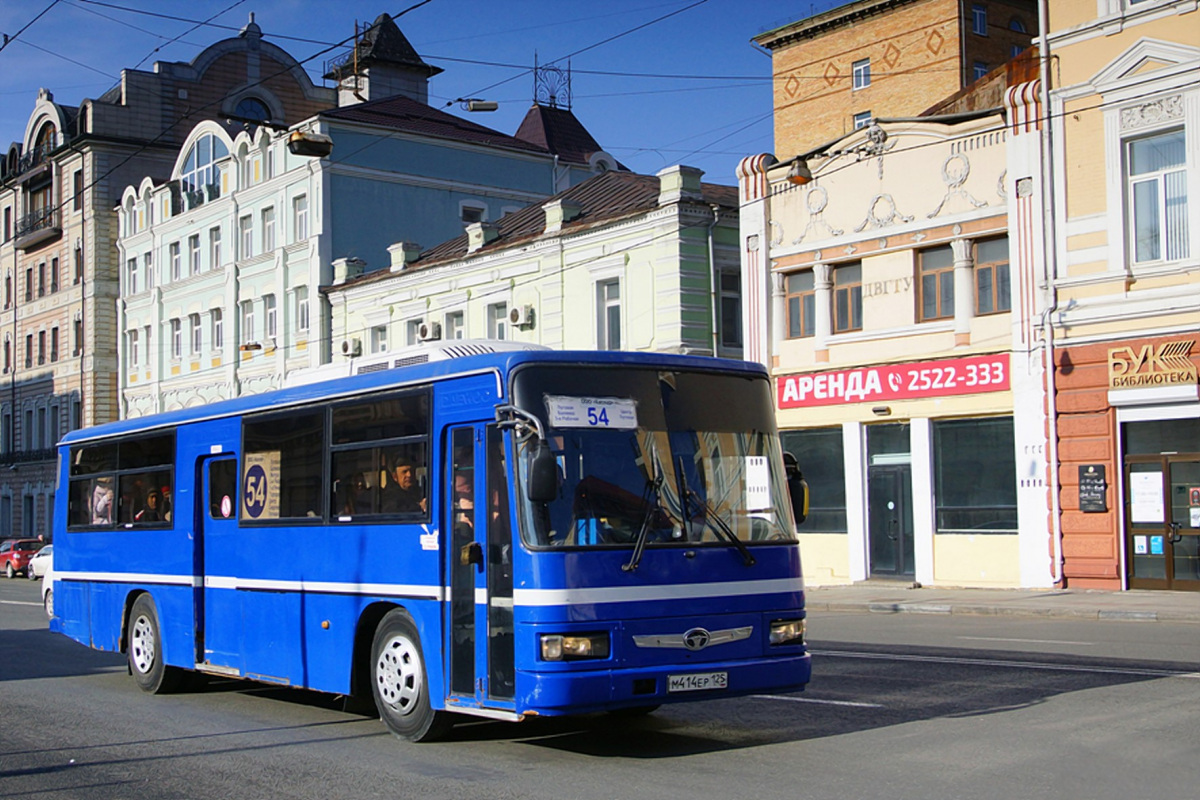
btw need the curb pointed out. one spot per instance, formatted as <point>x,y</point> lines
<point>1041,612</point>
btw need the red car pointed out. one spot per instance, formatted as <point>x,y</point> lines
<point>15,555</point>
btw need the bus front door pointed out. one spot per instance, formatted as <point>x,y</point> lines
<point>477,520</point>
<point>219,615</point>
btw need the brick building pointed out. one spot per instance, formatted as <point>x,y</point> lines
<point>885,58</point>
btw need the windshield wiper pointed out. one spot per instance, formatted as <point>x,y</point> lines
<point>639,546</point>
<point>716,523</point>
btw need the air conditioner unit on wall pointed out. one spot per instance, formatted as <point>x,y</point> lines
<point>429,331</point>
<point>352,347</point>
<point>521,316</point>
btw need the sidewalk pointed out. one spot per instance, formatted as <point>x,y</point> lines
<point>900,598</point>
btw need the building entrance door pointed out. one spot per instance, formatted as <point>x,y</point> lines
<point>1162,521</point>
<point>889,501</point>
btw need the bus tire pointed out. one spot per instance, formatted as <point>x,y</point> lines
<point>145,650</point>
<point>400,684</point>
<point>48,603</point>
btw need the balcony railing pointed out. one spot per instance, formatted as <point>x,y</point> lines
<point>38,226</point>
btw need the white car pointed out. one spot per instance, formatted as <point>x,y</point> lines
<point>40,563</point>
<point>48,591</point>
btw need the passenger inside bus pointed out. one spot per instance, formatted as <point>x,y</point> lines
<point>402,494</point>
<point>151,511</point>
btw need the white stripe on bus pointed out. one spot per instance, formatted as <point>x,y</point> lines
<point>227,582</point>
<point>640,594</point>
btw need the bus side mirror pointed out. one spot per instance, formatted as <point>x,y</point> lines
<point>541,485</point>
<point>797,487</point>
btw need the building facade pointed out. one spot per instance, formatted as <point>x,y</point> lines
<point>870,59</point>
<point>893,297</point>
<point>619,262</point>
<point>224,260</point>
<point>1125,139</point>
<point>58,186</point>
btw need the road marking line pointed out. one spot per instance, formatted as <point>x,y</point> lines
<point>815,700</point>
<point>19,603</point>
<point>983,662</point>
<point>1026,641</point>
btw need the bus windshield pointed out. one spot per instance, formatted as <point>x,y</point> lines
<point>670,457</point>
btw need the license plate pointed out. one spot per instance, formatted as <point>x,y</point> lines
<point>697,682</point>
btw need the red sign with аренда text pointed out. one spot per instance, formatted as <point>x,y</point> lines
<point>917,381</point>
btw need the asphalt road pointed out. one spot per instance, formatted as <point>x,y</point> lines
<point>902,706</point>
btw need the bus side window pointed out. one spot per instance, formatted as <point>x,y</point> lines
<point>222,488</point>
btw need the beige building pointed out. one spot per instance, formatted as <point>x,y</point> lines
<point>59,184</point>
<point>1125,137</point>
<point>835,71</point>
<point>893,298</point>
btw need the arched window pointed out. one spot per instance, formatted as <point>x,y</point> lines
<point>199,168</point>
<point>252,108</point>
<point>47,139</point>
<point>1016,25</point>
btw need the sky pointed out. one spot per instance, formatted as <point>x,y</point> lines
<point>657,83</point>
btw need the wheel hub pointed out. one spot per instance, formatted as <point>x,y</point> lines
<point>142,646</point>
<point>398,674</point>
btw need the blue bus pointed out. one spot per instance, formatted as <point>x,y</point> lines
<point>503,534</point>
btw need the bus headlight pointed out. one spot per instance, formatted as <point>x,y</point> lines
<point>787,631</point>
<point>559,647</point>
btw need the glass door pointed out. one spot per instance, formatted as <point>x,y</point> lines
<point>1162,519</point>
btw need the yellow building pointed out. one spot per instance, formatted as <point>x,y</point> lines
<point>1125,136</point>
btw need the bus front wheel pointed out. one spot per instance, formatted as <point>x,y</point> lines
<point>145,650</point>
<point>399,682</point>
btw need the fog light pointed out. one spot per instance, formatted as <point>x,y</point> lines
<point>558,647</point>
<point>787,631</point>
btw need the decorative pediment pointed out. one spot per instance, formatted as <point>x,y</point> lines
<point>1147,59</point>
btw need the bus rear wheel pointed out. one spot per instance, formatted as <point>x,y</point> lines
<point>145,650</point>
<point>399,682</point>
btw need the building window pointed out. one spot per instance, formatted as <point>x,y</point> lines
<point>54,274</point>
<point>148,269</point>
<point>135,351</point>
<point>608,315</point>
<point>268,229</point>
<point>176,339</point>
<point>218,329</point>
<point>29,285</point>
<point>195,337</point>
<point>862,119</point>
<point>176,262</point>
<point>300,218</point>
<point>77,324</point>
<point>731,309</point>
<point>847,298</point>
<point>861,73</point>
<point>8,291</point>
<point>1015,24</point>
<point>469,213</point>
<point>42,279</point>
<point>131,272</point>
<point>246,234</point>
<point>41,347</point>
<point>194,253</point>
<point>7,355</point>
<point>992,290</point>
<point>301,308</point>
<point>979,19</point>
<point>453,327</point>
<point>379,339</point>
<point>247,321</point>
<point>975,468</point>
<point>269,313</point>
<point>820,454</point>
<point>200,172</point>
<point>801,304</point>
<point>1157,180</point>
<point>497,320</point>
<point>412,332</point>
<point>78,279</point>
<point>28,350</point>
<point>979,70</point>
<point>936,283</point>
<point>77,187</point>
<point>54,344</point>
<point>214,248</point>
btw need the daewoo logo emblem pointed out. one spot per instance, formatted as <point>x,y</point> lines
<point>696,639</point>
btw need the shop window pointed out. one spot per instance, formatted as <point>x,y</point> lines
<point>975,475</point>
<point>821,458</point>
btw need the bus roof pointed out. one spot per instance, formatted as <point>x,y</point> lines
<point>500,362</point>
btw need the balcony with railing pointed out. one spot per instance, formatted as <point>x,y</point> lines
<point>37,227</point>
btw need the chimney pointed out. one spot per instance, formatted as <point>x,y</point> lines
<point>403,255</point>
<point>346,268</point>
<point>679,183</point>
<point>479,234</point>
<point>559,212</point>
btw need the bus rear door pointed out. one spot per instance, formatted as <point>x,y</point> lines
<point>219,617</point>
<point>476,518</point>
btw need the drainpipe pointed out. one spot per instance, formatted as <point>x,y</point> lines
<point>1050,253</point>
<point>714,297</point>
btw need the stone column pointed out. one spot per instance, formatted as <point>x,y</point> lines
<point>964,290</point>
